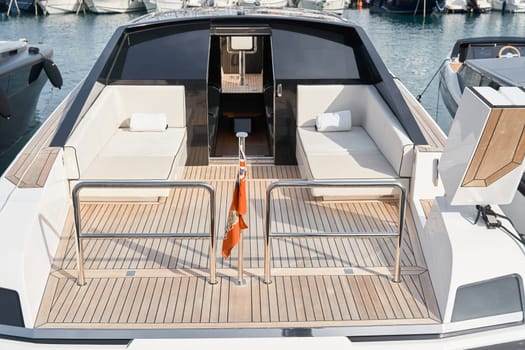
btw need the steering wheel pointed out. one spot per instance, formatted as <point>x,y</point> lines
<point>510,48</point>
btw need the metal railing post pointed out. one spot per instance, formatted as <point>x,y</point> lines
<point>267,239</point>
<point>213,238</point>
<point>301,183</point>
<point>402,208</point>
<point>81,281</point>
<point>137,184</point>
<point>241,135</point>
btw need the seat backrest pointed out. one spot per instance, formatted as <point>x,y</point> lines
<point>169,100</point>
<point>315,99</point>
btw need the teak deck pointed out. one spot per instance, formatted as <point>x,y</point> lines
<point>161,283</point>
<point>252,84</point>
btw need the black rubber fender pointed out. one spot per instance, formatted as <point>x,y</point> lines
<point>53,73</point>
<point>5,109</point>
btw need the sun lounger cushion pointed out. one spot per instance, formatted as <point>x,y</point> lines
<point>137,156</point>
<point>336,121</point>
<point>342,155</point>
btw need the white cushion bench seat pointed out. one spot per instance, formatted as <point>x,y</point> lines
<point>375,148</point>
<point>103,148</point>
<point>138,155</point>
<point>347,154</point>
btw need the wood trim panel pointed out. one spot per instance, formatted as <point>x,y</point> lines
<point>427,205</point>
<point>500,150</point>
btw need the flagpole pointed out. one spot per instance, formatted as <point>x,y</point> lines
<point>241,135</point>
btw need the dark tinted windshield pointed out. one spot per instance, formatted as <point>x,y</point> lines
<point>165,54</point>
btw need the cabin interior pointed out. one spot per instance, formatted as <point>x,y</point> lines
<point>240,95</point>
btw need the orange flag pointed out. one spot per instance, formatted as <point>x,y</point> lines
<point>237,210</point>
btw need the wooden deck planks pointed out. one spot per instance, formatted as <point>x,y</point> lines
<point>148,283</point>
<point>147,302</point>
<point>253,83</point>
<point>427,205</point>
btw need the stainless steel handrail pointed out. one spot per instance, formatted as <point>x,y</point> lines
<point>141,184</point>
<point>358,183</point>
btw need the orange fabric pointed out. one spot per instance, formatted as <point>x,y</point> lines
<point>235,220</point>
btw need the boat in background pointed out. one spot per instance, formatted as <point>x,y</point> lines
<point>478,6</point>
<point>196,3</point>
<point>53,7</point>
<point>18,6</point>
<point>454,75</point>
<point>169,5</point>
<point>337,6</point>
<point>509,5</point>
<point>264,3</point>
<point>224,3</point>
<point>404,7</point>
<point>150,5</point>
<point>116,6</point>
<point>24,69</point>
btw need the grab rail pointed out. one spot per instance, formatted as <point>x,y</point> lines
<point>138,184</point>
<point>279,184</point>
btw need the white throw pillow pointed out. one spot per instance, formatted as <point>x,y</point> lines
<point>336,121</point>
<point>148,122</point>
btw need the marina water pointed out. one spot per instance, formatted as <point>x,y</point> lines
<point>412,47</point>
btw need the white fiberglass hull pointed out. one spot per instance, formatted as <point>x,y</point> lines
<point>322,5</point>
<point>484,5</point>
<point>195,3</point>
<point>456,5</point>
<point>509,5</point>
<point>225,3</point>
<point>449,88</point>
<point>154,293</point>
<point>116,6</point>
<point>264,3</point>
<point>53,7</point>
<point>168,5</point>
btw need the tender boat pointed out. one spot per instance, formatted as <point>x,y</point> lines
<point>509,5</point>
<point>360,211</point>
<point>23,69</point>
<point>464,67</point>
<point>115,6</point>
